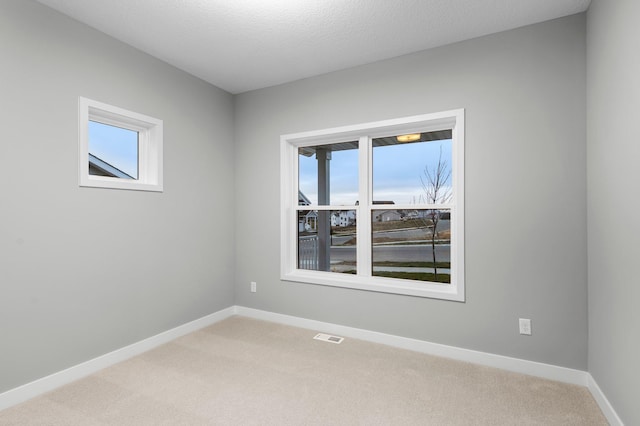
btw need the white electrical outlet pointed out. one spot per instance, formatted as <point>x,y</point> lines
<point>525,326</point>
<point>253,286</point>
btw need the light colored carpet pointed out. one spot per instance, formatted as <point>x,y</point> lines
<point>246,372</point>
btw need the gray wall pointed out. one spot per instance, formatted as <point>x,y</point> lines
<point>613,150</point>
<point>524,95</point>
<point>84,271</point>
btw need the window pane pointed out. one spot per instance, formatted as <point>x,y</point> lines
<point>414,171</point>
<point>406,246</point>
<point>113,151</point>
<point>327,240</point>
<point>328,174</point>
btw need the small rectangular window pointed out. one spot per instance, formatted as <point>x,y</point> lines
<point>113,151</point>
<point>119,149</point>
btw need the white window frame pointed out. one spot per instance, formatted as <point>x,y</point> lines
<point>365,133</point>
<point>150,159</point>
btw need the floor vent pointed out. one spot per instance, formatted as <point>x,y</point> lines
<point>329,338</point>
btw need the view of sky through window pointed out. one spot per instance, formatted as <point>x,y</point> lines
<point>343,177</point>
<point>397,170</point>
<point>116,146</point>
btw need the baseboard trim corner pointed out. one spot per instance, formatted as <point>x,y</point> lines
<point>40,386</point>
<point>532,368</point>
<point>603,403</point>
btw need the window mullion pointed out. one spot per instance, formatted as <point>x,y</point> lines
<point>364,211</point>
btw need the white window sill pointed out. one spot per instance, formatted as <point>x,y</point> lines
<point>378,284</point>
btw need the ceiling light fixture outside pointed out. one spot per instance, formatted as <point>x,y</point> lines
<point>408,138</point>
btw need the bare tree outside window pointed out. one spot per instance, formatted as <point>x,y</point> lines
<point>437,189</point>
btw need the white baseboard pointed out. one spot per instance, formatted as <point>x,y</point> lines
<point>48,383</point>
<point>532,368</point>
<point>603,403</point>
<point>547,371</point>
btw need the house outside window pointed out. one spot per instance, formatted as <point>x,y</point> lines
<point>387,202</point>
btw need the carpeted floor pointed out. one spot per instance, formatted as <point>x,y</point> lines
<point>246,372</point>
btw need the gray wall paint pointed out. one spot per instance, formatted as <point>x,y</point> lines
<point>85,271</point>
<point>524,95</point>
<point>613,151</point>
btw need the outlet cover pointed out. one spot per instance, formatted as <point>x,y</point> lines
<point>253,286</point>
<point>525,326</point>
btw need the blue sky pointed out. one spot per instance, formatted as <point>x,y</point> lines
<point>116,146</point>
<point>396,172</point>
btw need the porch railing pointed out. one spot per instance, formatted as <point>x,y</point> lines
<point>308,252</point>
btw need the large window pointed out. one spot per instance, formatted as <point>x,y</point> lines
<point>377,206</point>
<point>119,149</point>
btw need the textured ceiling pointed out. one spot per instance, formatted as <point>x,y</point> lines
<point>240,45</point>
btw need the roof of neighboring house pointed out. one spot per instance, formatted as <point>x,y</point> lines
<point>303,200</point>
<point>100,167</point>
